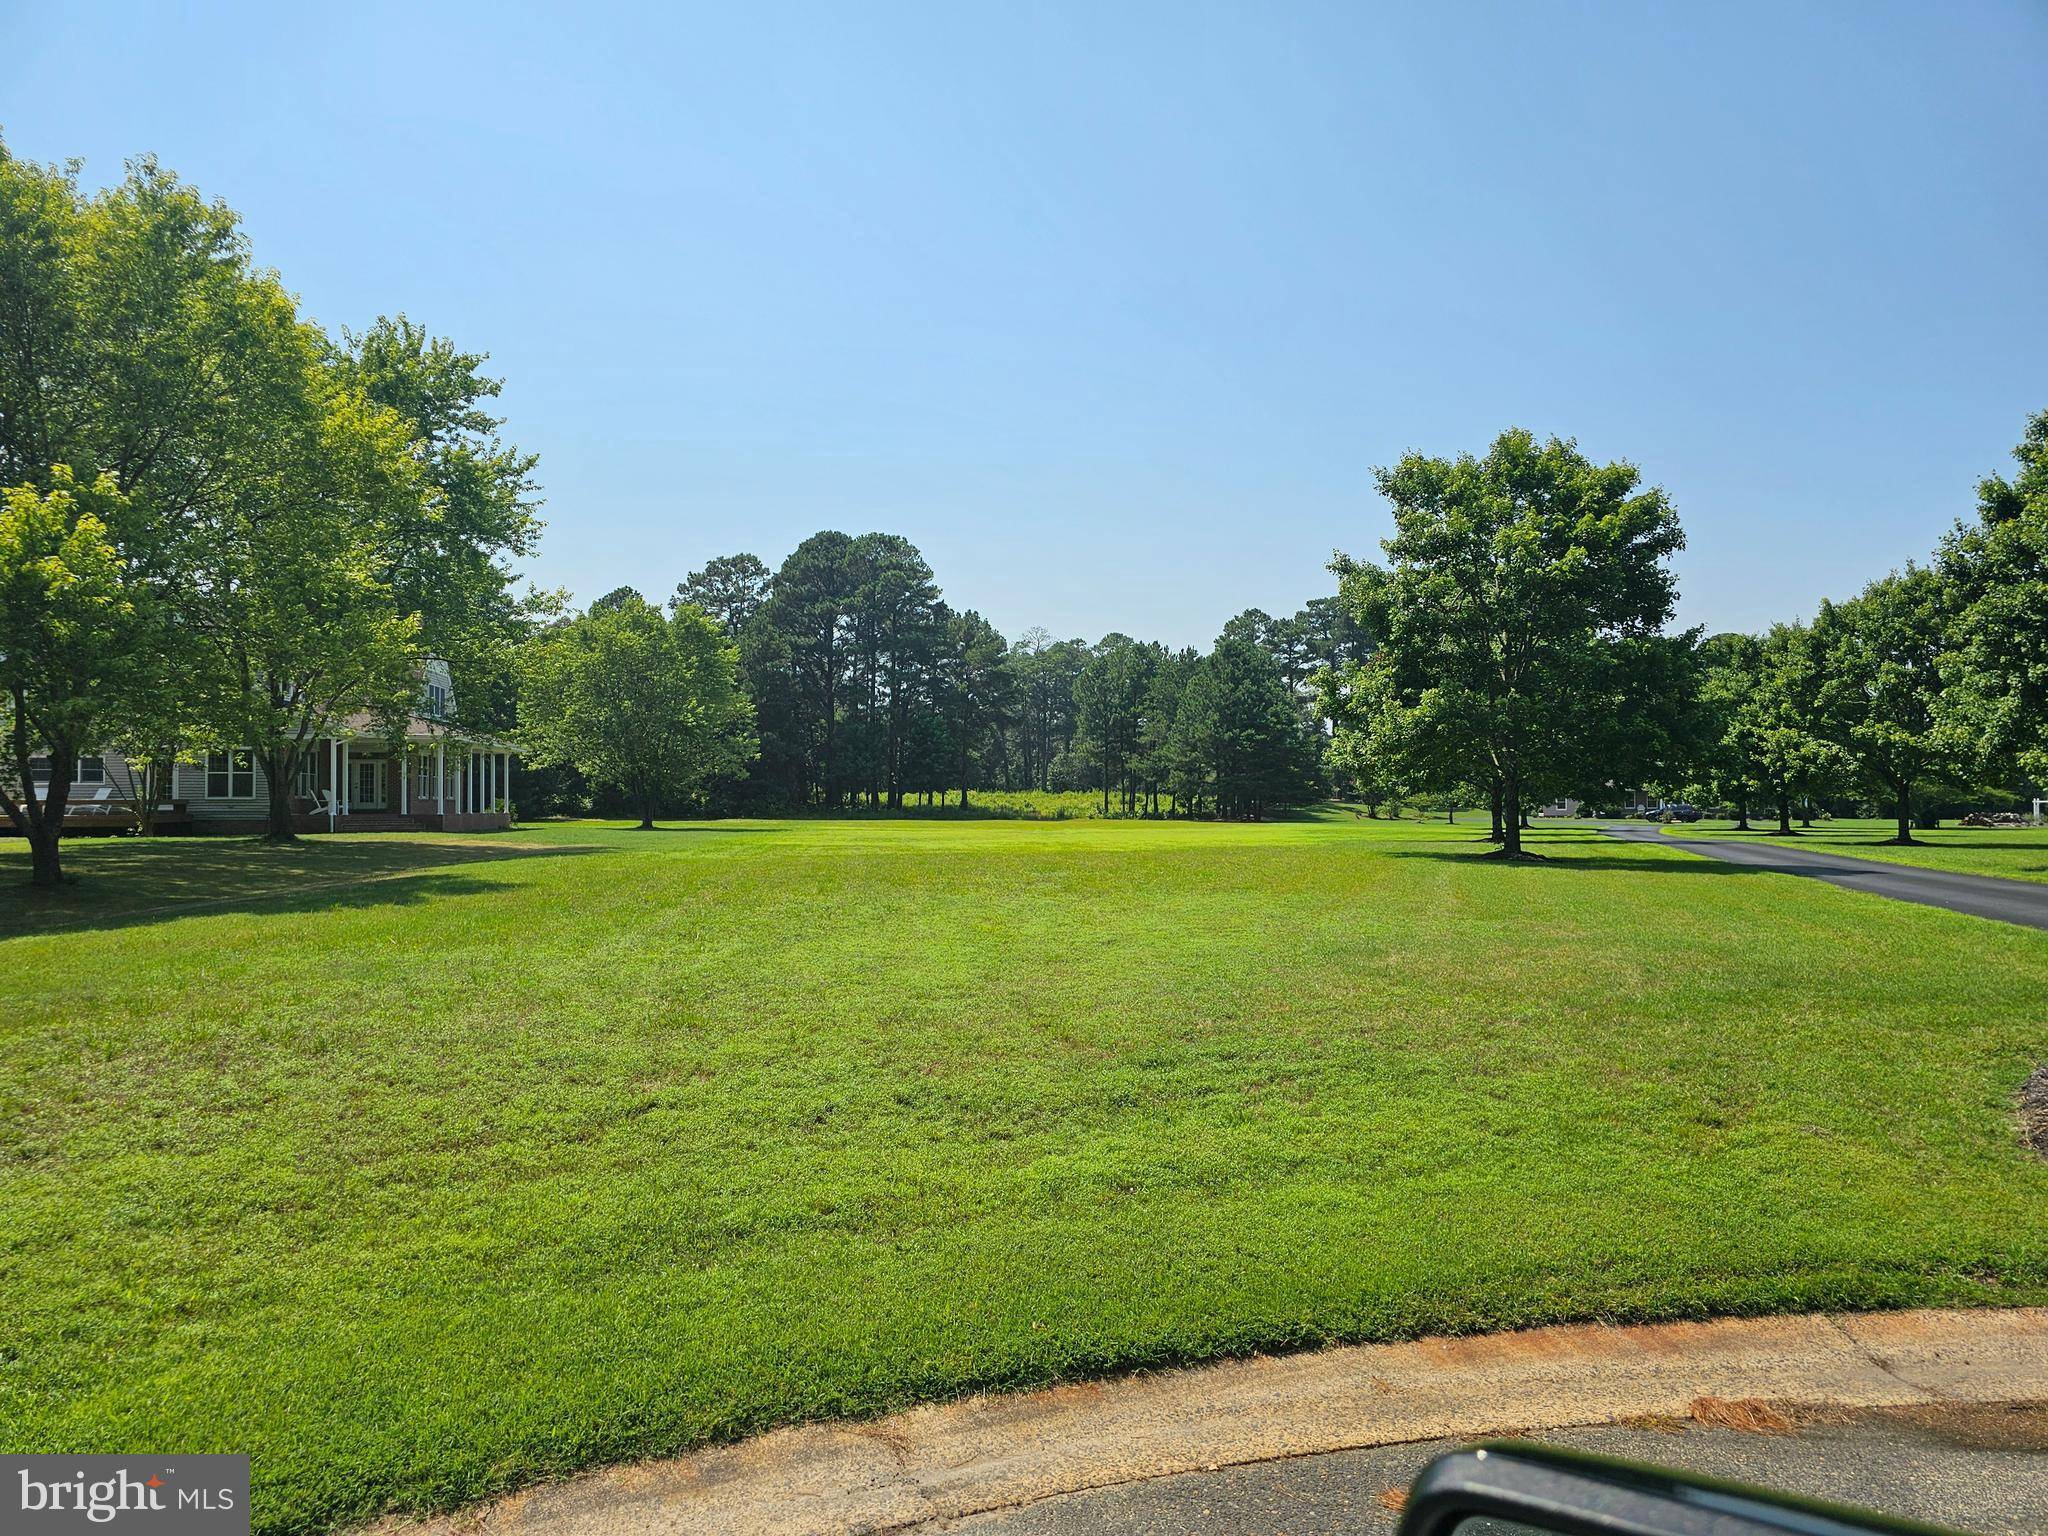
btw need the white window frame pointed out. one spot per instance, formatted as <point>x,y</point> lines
<point>239,764</point>
<point>97,774</point>
<point>437,701</point>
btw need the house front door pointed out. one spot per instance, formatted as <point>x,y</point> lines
<point>367,793</point>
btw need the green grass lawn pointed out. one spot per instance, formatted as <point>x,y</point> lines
<point>421,1168</point>
<point>2019,852</point>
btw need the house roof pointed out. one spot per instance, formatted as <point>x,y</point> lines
<point>364,726</point>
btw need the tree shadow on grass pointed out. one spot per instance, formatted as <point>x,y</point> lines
<point>1597,861</point>
<point>719,831</point>
<point>131,882</point>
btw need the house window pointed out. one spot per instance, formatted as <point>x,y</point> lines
<point>39,770</point>
<point>307,779</point>
<point>92,770</point>
<point>230,776</point>
<point>437,701</point>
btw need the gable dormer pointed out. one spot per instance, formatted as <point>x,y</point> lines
<point>437,692</point>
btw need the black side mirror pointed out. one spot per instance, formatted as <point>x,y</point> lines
<point>1508,1488</point>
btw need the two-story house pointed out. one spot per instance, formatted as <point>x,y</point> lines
<point>358,779</point>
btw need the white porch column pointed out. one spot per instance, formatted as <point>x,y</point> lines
<point>508,785</point>
<point>341,790</point>
<point>495,795</point>
<point>462,787</point>
<point>333,779</point>
<point>404,778</point>
<point>440,779</point>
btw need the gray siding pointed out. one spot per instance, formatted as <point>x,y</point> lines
<point>189,785</point>
<point>119,783</point>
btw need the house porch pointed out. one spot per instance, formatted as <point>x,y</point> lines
<point>433,783</point>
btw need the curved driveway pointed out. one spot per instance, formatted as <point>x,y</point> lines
<point>1993,896</point>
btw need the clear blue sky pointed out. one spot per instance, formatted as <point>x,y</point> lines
<point>1111,308</point>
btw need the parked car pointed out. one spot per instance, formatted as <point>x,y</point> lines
<point>1510,1488</point>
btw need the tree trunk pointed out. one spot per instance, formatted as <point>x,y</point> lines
<point>147,798</point>
<point>1905,814</point>
<point>1497,835</point>
<point>278,771</point>
<point>45,825</point>
<point>1742,813</point>
<point>1511,818</point>
<point>41,822</point>
<point>1785,816</point>
<point>45,865</point>
<point>278,826</point>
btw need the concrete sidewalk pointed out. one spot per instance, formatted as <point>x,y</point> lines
<point>2008,901</point>
<point>953,1460</point>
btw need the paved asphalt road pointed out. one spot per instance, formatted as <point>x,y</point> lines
<point>1982,1470</point>
<point>2009,901</point>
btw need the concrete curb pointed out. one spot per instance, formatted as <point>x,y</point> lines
<point>962,1458</point>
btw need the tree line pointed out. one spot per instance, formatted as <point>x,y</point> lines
<point>1520,650</point>
<point>221,526</point>
<point>870,692</point>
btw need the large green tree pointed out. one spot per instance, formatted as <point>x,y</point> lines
<point>297,616</point>
<point>1794,759</point>
<point>69,629</point>
<point>1994,701</point>
<point>1879,691</point>
<point>447,551</point>
<point>639,701</point>
<point>1730,763</point>
<point>1365,752</point>
<point>1519,590</point>
<point>140,350</point>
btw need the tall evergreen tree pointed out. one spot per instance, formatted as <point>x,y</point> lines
<point>975,691</point>
<point>1109,698</point>
<point>731,588</point>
